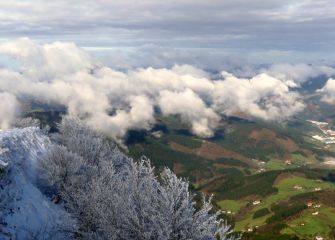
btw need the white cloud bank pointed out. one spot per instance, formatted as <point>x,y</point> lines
<point>328,92</point>
<point>114,102</point>
<point>296,74</point>
<point>9,108</point>
<point>262,97</point>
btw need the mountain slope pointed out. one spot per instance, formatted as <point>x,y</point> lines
<point>25,212</point>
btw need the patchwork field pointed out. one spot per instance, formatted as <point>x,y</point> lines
<point>288,187</point>
<point>248,162</point>
<point>263,176</point>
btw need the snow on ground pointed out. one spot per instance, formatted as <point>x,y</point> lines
<point>25,213</point>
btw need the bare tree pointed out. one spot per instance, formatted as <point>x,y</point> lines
<point>28,122</point>
<point>31,122</point>
<point>114,197</point>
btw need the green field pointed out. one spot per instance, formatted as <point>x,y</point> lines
<point>285,191</point>
<point>230,205</point>
<point>308,226</point>
<point>236,183</point>
<point>274,164</point>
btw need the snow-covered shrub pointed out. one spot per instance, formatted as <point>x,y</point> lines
<point>31,122</point>
<point>113,197</point>
<point>27,122</point>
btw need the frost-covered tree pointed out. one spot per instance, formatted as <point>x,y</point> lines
<point>62,169</point>
<point>114,197</point>
<point>27,122</point>
<point>31,122</point>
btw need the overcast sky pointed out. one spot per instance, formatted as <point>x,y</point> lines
<point>276,44</point>
<point>191,31</point>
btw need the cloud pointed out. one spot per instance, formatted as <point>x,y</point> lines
<point>257,29</point>
<point>192,109</point>
<point>115,101</point>
<point>9,110</point>
<point>262,97</point>
<point>48,61</point>
<point>139,115</point>
<point>328,91</point>
<point>296,74</point>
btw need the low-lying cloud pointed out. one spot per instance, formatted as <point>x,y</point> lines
<point>296,74</point>
<point>328,92</point>
<point>262,97</point>
<point>9,108</point>
<point>114,102</point>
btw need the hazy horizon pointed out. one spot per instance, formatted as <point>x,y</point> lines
<point>202,33</point>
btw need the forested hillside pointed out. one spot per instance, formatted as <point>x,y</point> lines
<point>79,185</point>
